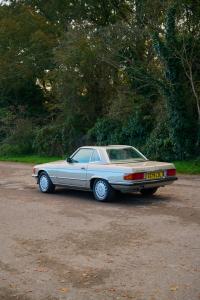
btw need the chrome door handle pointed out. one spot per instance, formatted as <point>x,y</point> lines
<point>82,168</point>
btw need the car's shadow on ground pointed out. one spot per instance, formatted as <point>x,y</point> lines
<point>131,199</point>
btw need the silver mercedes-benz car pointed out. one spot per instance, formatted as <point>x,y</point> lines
<point>105,170</point>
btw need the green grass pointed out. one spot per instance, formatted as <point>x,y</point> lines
<point>34,159</point>
<point>188,167</point>
<point>184,167</point>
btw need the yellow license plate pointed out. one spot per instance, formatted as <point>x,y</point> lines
<point>154,175</point>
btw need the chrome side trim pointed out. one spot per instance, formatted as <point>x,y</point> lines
<point>74,187</point>
<point>68,178</point>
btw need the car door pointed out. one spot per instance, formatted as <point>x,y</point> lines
<point>74,174</point>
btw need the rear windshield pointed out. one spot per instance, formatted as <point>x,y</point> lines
<point>123,155</point>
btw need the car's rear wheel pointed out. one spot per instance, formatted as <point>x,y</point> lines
<point>148,192</point>
<point>102,190</point>
<point>45,183</point>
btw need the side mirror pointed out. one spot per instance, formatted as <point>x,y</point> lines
<point>69,160</point>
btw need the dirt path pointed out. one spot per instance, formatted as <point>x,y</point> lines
<point>67,246</point>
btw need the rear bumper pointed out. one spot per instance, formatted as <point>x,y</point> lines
<point>145,184</point>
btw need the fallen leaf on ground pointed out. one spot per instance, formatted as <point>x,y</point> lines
<point>109,261</point>
<point>41,270</point>
<point>13,286</point>
<point>64,290</point>
<point>174,288</point>
<point>112,290</point>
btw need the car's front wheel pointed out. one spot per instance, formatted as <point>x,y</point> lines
<point>45,183</point>
<point>148,192</point>
<point>102,190</point>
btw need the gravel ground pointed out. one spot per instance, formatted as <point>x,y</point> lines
<point>67,246</point>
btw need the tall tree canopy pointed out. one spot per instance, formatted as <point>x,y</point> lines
<point>91,71</point>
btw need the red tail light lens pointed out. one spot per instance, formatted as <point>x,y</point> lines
<point>134,176</point>
<point>171,172</point>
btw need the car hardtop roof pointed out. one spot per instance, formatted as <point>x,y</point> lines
<point>106,147</point>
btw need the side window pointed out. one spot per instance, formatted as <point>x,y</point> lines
<point>82,156</point>
<point>95,156</point>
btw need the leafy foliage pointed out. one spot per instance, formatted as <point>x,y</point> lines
<point>100,72</point>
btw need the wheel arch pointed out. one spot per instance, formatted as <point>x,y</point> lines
<point>41,171</point>
<point>38,175</point>
<point>50,187</point>
<point>92,180</point>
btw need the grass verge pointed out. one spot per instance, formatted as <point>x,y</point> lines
<point>184,167</point>
<point>34,159</point>
<point>188,166</point>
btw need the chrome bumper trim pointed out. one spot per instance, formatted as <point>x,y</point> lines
<point>146,181</point>
<point>129,186</point>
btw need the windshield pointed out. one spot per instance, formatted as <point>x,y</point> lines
<point>123,155</point>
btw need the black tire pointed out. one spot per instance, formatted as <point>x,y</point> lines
<point>148,192</point>
<point>45,183</point>
<point>102,190</point>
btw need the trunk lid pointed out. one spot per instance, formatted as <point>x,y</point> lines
<point>146,166</point>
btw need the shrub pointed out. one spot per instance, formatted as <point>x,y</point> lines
<point>133,131</point>
<point>159,145</point>
<point>7,150</point>
<point>20,139</point>
<point>105,131</point>
<point>49,140</point>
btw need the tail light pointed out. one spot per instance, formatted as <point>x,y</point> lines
<point>33,170</point>
<point>171,172</point>
<point>134,176</point>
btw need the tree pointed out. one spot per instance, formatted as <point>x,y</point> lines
<point>181,123</point>
<point>127,69</point>
<point>26,52</point>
